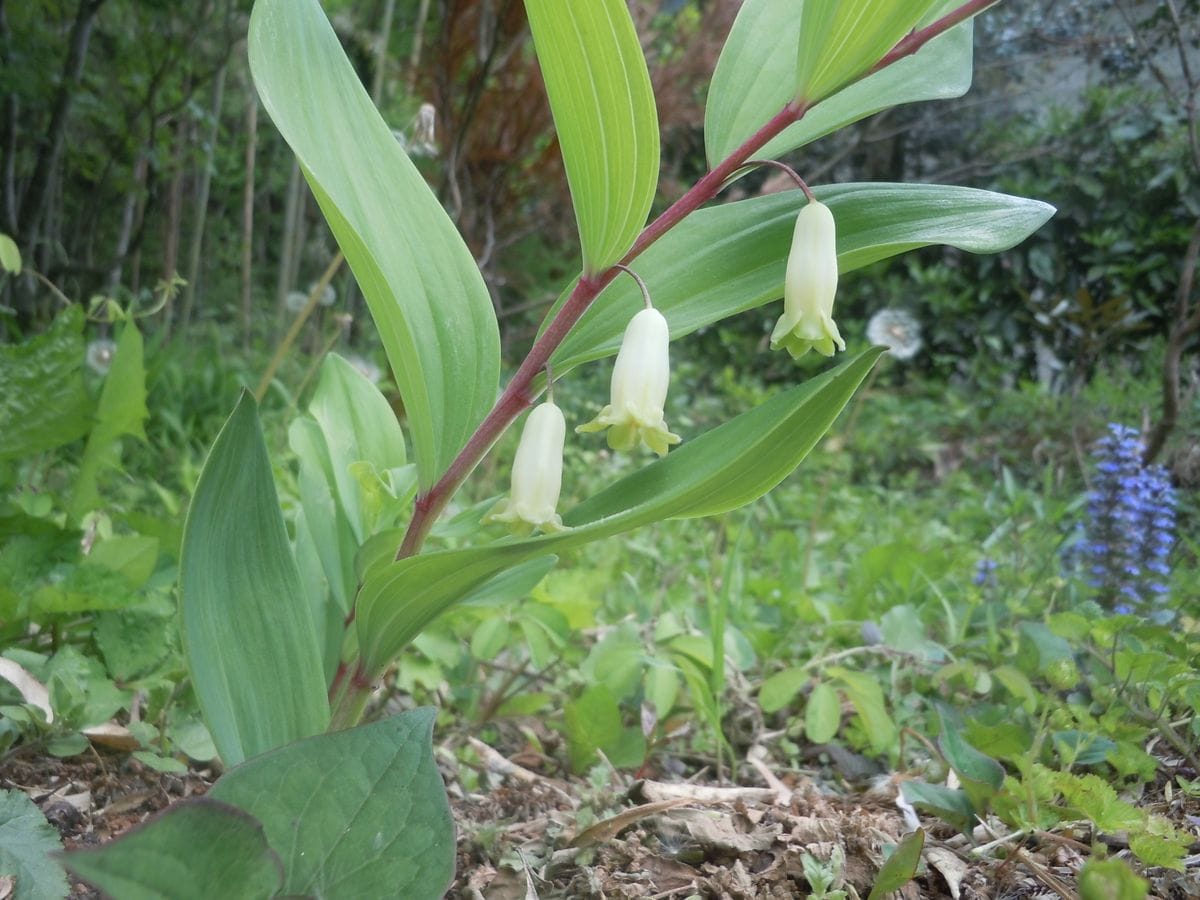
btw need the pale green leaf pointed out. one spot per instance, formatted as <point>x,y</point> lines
<point>358,425</point>
<point>182,855</point>
<point>10,255</point>
<point>822,714</point>
<point>727,467</point>
<point>781,689</point>
<point>1111,879</point>
<point>120,412</point>
<point>756,77</point>
<point>357,813</point>
<point>605,117</point>
<point>724,260</point>
<point>841,40</point>
<point>43,402</point>
<point>428,300</point>
<point>251,644</point>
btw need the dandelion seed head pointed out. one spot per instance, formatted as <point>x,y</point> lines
<point>100,353</point>
<point>897,330</point>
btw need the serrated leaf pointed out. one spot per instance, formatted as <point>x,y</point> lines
<point>756,76</point>
<point>1110,879</point>
<point>727,259</point>
<point>26,842</point>
<point>822,714</point>
<point>357,813</point>
<point>901,867</point>
<point>604,114</point>
<point>43,402</point>
<point>781,689</point>
<point>841,40</point>
<point>426,295</point>
<point>182,854</point>
<point>250,640</point>
<point>721,470</point>
<point>120,412</point>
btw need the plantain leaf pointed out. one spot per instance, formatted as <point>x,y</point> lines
<point>182,854</point>
<point>725,468</point>
<point>756,77</point>
<point>356,813</point>
<point>428,300</point>
<point>605,117</point>
<point>726,259</point>
<point>251,645</point>
<point>840,40</point>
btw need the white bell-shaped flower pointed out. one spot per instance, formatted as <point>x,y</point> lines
<point>640,379</point>
<point>809,286</point>
<point>536,474</point>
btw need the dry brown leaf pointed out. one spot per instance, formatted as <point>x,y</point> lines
<point>112,735</point>
<point>611,827</point>
<point>718,832</point>
<point>951,868</point>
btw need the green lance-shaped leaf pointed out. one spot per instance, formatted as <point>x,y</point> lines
<point>358,813</point>
<point>10,255</point>
<point>43,401</point>
<point>184,854</point>
<point>605,117</point>
<point>726,259</point>
<point>840,40</point>
<point>358,426</point>
<point>425,293</point>
<point>249,636</point>
<point>121,411</point>
<point>901,866</point>
<point>756,76</point>
<point>725,468</point>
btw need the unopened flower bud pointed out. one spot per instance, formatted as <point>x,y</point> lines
<point>536,474</point>
<point>809,286</point>
<point>640,379</point>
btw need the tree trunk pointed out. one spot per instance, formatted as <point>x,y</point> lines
<point>174,217</point>
<point>33,203</point>
<point>201,213</point>
<point>248,215</point>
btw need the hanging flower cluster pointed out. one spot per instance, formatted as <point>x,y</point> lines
<point>634,415</point>
<point>1131,523</point>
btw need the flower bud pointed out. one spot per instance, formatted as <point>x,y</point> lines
<point>640,378</point>
<point>809,286</point>
<point>536,474</point>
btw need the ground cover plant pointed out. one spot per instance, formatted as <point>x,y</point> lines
<point>1015,678</point>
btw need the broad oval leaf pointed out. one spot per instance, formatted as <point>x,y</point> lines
<point>183,854</point>
<point>822,714</point>
<point>357,813</point>
<point>901,867</point>
<point>725,468</point>
<point>425,293</point>
<point>781,689</point>
<point>726,259</point>
<point>840,40</point>
<point>605,116</point>
<point>756,77</point>
<point>248,630</point>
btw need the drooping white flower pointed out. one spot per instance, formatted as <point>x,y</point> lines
<point>295,301</point>
<point>809,286</point>
<point>897,330</point>
<point>536,474</point>
<point>328,295</point>
<point>640,379</point>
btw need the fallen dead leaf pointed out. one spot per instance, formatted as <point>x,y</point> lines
<point>950,866</point>
<point>717,832</point>
<point>611,827</point>
<point>112,735</point>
